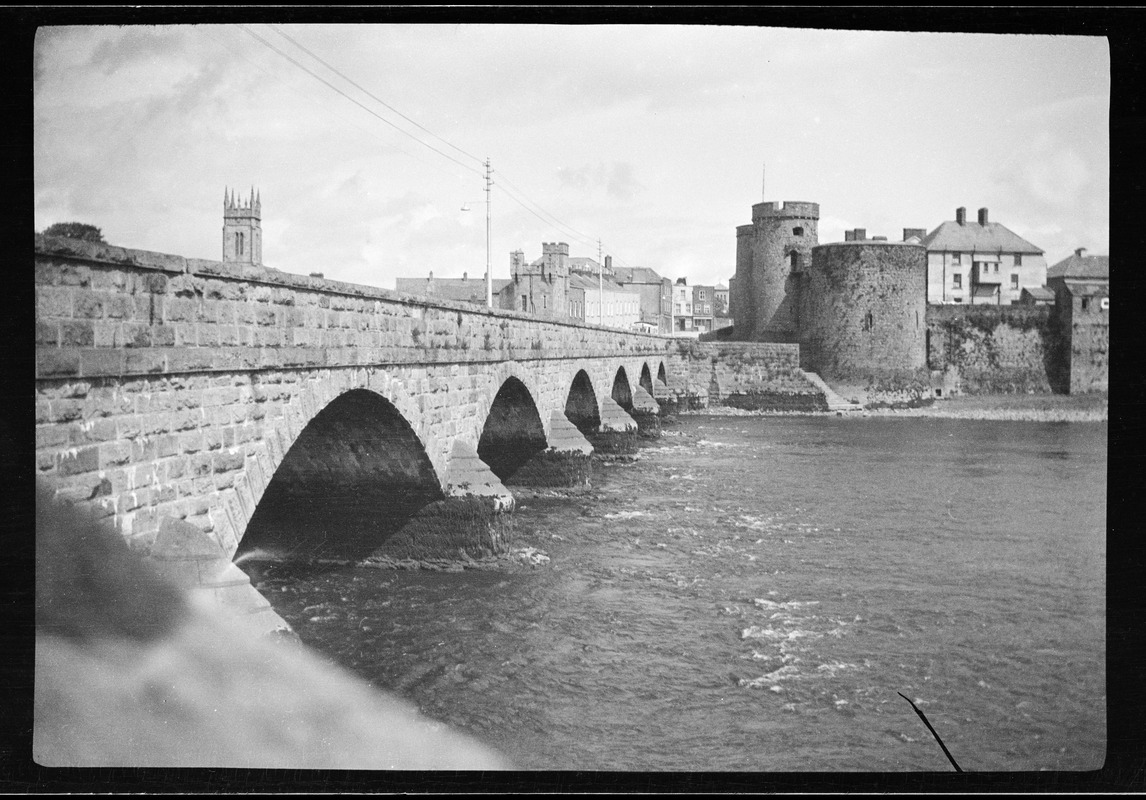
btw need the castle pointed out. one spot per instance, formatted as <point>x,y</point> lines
<point>943,309</point>
<point>855,307</point>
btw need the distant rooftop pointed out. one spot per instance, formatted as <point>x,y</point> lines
<point>1080,266</point>
<point>466,290</point>
<point>982,236</point>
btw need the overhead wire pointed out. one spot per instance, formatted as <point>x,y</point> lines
<point>368,93</point>
<point>356,102</point>
<point>517,195</point>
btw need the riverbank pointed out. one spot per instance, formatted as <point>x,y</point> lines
<point>1017,408</point>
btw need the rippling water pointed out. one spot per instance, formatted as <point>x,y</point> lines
<point>753,592</point>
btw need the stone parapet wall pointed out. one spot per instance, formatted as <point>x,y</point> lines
<point>107,311</point>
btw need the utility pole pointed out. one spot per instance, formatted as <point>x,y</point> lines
<point>600,287</point>
<point>488,217</point>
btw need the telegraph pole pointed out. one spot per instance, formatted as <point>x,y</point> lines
<point>600,287</point>
<point>488,217</point>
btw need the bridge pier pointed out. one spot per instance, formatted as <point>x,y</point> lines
<point>617,434</point>
<point>473,520</point>
<point>564,464</point>
<point>646,413</point>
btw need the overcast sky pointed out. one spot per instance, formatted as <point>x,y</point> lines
<point>651,139</point>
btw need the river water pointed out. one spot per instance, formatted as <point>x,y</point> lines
<point>752,593</point>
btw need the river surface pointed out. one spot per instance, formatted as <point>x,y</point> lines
<point>752,593</point>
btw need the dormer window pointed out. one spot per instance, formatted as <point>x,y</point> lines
<point>1018,259</point>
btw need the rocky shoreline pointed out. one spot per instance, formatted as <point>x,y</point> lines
<point>1011,408</point>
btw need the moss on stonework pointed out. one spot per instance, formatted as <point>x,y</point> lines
<point>776,401</point>
<point>648,424</point>
<point>457,527</point>
<point>552,469</point>
<point>614,442</point>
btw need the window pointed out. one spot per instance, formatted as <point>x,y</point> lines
<point>958,299</point>
<point>1014,280</point>
<point>1085,303</point>
<point>1018,259</point>
<point>797,231</point>
<point>957,280</point>
<point>239,244</point>
<point>793,257</point>
<point>956,258</point>
<point>867,321</point>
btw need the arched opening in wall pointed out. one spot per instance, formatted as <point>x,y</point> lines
<point>513,432</point>
<point>581,405</point>
<point>355,475</point>
<point>661,375</point>
<point>646,379</point>
<point>622,394</point>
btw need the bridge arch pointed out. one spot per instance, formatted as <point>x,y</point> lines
<point>622,393</point>
<point>646,380</point>
<point>513,431</point>
<point>354,475</point>
<point>581,407</point>
<point>662,376</point>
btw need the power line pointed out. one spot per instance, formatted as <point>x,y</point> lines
<point>357,103</point>
<point>368,93</point>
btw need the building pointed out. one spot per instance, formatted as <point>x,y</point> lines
<point>541,286</point>
<point>597,300</point>
<point>242,228</point>
<point>1079,268</point>
<point>458,290</point>
<point>655,293</point>
<point>703,308</point>
<point>980,262</point>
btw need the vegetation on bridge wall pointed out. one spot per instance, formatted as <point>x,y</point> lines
<point>995,349</point>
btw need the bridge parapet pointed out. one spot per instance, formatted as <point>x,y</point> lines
<point>110,312</point>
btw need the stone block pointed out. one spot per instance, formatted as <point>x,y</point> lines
<point>54,363</point>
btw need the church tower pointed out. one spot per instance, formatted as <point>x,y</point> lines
<point>242,229</point>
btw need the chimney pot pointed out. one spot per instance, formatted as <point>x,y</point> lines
<point>983,217</point>
<point>1080,251</point>
<point>465,276</point>
<point>961,215</point>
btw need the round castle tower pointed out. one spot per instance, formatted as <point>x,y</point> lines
<point>777,245</point>
<point>862,309</point>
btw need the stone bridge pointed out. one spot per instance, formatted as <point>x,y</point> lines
<point>213,409</point>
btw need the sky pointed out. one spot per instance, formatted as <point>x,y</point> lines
<point>646,143</point>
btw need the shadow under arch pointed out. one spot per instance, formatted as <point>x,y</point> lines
<point>662,376</point>
<point>646,379</point>
<point>513,432</point>
<point>581,404</point>
<point>354,477</point>
<point>622,394</point>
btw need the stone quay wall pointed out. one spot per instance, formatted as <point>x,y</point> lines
<point>749,375</point>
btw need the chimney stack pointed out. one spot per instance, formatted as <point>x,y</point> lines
<point>1080,252</point>
<point>465,276</point>
<point>920,233</point>
<point>861,234</point>
<point>983,217</point>
<point>961,215</point>
<point>849,236</point>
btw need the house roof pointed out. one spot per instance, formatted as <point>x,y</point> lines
<point>636,275</point>
<point>1081,267</point>
<point>1088,289</point>
<point>578,281</point>
<point>1039,292</point>
<point>471,290</point>
<point>973,237</point>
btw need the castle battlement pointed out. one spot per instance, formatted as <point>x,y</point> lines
<point>786,209</point>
